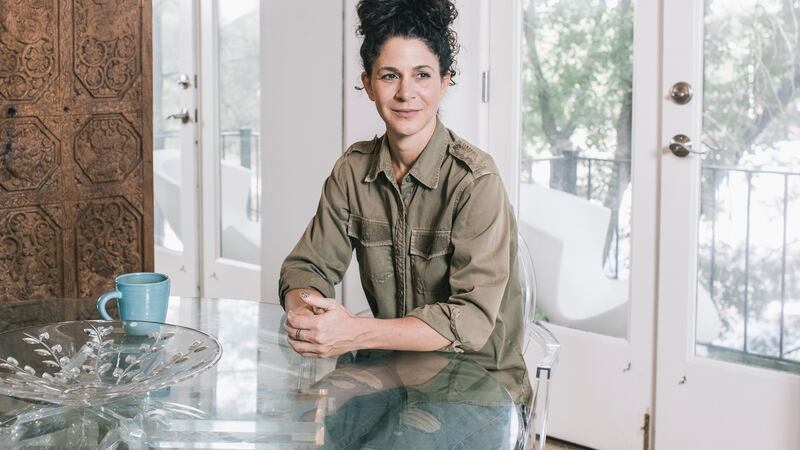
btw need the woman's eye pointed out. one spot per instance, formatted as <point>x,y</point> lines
<point>423,75</point>
<point>389,76</point>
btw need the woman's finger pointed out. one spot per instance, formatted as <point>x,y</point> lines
<point>321,303</point>
<point>293,333</point>
<point>301,335</point>
<point>301,320</point>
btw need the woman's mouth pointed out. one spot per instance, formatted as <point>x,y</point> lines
<point>405,113</point>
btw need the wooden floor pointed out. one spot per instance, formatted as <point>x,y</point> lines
<point>555,444</point>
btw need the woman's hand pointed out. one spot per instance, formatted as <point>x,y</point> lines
<point>330,331</point>
<point>296,300</point>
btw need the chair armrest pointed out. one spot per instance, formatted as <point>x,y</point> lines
<point>548,342</point>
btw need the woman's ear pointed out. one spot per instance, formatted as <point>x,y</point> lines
<point>445,83</point>
<point>367,85</point>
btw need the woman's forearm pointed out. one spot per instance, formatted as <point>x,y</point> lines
<point>406,333</point>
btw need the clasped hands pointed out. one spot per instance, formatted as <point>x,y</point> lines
<point>321,328</point>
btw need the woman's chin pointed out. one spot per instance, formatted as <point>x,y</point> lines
<point>406,128</point>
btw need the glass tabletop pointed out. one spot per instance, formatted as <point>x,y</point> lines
<point>261,394</point>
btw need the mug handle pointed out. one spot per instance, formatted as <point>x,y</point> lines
<point>101,302</point>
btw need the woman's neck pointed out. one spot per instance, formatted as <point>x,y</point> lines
<point>405,150</point>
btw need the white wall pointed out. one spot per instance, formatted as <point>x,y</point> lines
<point>301,114</point>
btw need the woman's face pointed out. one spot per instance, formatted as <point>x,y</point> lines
<point>406,86</point>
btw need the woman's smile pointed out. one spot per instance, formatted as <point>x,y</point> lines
<point>406,113</point>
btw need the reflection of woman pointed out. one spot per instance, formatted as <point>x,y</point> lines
<point>414,400</point>
<point>425,211</point>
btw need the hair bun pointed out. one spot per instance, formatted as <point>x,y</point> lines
<point>428,20</point>
<point>438,14</point>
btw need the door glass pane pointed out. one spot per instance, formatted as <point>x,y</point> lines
<point>748,295</point>
<point>166,133</point>
<point>575,190</point>
<point>240,130</point>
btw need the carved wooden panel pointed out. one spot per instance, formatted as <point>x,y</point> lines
<point>108,242</point>
<point>106,48</point>
<point>28,48</point>
<point>30,154</point>
<point>30,255</point>
<point>76,195</point>
<point>107,148</point>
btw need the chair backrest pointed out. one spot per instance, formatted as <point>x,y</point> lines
<point>527,280</point>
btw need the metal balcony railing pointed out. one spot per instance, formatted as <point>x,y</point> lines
<point>715,176</point>
<point>577,175</point>
<point>241,146</point>
<point>599,180</point>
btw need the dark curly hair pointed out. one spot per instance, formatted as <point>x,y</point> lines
<point>427,20</point>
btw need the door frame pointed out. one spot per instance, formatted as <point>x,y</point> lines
<point>699,401</point>
<point>602,389</point>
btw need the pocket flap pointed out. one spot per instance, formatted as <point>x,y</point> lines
<point>371,233</point>
<point>430,243</point>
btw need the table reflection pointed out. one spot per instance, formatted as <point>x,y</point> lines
<point>262,394</point>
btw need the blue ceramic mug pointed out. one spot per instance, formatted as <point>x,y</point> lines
<point>140,296</point>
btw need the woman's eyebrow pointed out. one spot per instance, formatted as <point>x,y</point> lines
<point>395,69</point>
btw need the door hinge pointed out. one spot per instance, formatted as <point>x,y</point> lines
<point>646,430</point>
<point>485,87</point>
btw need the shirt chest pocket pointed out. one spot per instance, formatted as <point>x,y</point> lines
<point>431,252</point>
<point>372,240</point>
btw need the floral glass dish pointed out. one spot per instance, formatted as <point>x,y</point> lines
<point>87,363</point>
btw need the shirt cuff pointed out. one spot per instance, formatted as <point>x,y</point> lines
<point>303,280</point>
<point>442,318</point>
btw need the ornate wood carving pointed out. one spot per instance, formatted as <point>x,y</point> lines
<point>76,192</point>
<point>106,50</point>
<point>107,148</point>
<point>28,48</point>
<point>29,154</point>
<point>108,243</point>
<point>30,255</point>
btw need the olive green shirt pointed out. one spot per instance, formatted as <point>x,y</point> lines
<point>440,247</point>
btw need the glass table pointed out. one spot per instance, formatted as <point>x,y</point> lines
<point>263,395</point>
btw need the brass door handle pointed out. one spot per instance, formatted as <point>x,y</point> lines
<point>681,146</point>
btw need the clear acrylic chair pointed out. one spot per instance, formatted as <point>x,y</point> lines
<point>546,343</point>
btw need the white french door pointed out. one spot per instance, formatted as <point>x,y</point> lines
<point>707,228</point>
<point>175,143</point>
<point>206,156</point>
<point>230,139</point>
<point>575,97</point>
<point>729,227</point>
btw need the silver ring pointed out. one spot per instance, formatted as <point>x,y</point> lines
<point>304,295</point>
<point>297,334</point>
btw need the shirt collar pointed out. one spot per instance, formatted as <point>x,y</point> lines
<point>428,166</point>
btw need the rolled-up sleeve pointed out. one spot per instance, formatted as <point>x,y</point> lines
<point>479,268</point>
<point>321,256</point>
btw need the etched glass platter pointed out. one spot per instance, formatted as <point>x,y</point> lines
<point>92,362</point>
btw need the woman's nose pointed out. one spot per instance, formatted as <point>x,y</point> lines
<point>406,90</point>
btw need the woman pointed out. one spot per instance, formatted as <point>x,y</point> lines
<point>425,211</point>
